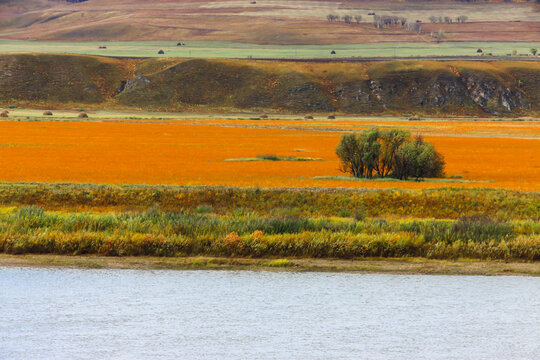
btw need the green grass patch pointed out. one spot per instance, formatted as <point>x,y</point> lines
<point>227,49</point>
<point>276,158</point>
<point>279,263</point>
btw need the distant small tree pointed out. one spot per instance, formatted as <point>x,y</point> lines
<point>514,52</point>
<point>358,19</point>
<point>332,17</point>
<point>534,51</point>
<point>433,19</point>
<point>347,19</point>
<point>462,18</point>
<point>441,34</point>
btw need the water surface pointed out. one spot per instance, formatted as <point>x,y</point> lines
<point>139,314</point>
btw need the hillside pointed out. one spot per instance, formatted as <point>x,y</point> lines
<point>390,87</point>
<point>265,22</point>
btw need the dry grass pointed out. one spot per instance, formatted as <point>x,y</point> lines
<point>276,22</point>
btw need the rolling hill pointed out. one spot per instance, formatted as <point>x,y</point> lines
<point>388,87</point>
<point>264,22</point>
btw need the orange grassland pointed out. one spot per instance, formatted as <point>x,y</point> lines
<point>194,153</point>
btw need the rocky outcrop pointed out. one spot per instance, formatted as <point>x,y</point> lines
<point>493,96</point>
<point>444,92</point>
<point>135,83</point>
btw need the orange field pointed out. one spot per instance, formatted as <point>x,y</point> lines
<point>507,154</point>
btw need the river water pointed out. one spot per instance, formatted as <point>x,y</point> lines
<point>140,314</point>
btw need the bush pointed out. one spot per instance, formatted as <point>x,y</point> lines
<point>417,159</point>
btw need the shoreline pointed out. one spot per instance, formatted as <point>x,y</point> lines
<point>417,266</point>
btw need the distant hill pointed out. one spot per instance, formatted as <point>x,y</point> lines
<point>264,22</point>
<point>391,87</point>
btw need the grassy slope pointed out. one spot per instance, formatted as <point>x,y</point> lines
<point>56,79</point>
<point>194,85</point>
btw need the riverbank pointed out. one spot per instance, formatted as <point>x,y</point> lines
<point>375,265</point>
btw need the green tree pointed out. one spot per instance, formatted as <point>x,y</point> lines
<point>388,153</point>
<point>534,51</point>
<point>418,159</point>
<point>371,150</point>
<point>348,152</point>
<point>391,141</point>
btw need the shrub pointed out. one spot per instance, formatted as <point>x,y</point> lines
<point>417,159</point>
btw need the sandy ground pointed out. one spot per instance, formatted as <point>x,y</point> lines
<point>393,266</point>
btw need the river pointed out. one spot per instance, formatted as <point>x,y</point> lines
<point>141,314</point>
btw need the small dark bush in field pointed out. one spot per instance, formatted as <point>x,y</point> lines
<point>271,157</point>
<point>308,117</point>
<point>263,116</point>
<point>161,52</point>
<point>47,113</point>
<point>481,228</point>
<point>331,117</point>
<point>83,115</point>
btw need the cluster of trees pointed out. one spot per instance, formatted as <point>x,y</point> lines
<point>448,20</point>
<point>380,22</point>
<point>389,153</point>
<point>348,19</point>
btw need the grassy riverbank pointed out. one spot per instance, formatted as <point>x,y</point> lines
<point>184,222</point>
